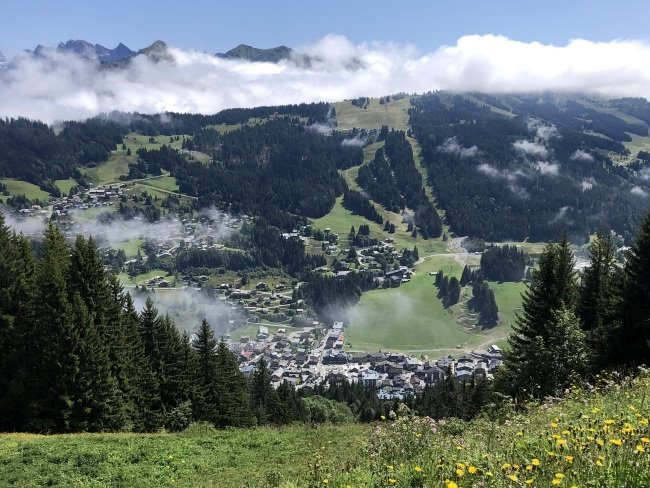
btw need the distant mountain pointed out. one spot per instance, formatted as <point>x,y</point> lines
<point>272,55</point>
<point>158,51</point>
<point>92,51</point>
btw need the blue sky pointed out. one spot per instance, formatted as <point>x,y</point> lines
<point>216,26</point>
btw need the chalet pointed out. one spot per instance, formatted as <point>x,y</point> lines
<point>334,356</point>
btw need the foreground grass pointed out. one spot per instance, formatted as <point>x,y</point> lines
<point>591,438</point>
<point>200,459</point>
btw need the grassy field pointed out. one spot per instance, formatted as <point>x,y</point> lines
<point>393,114</point>
<point>231,458</point>
<point>110,171</point>
<point>339,220</point>
<point>638,143</point>
<point>412,318</point>
<point>163,183</point>
<point>31,191</point>
<point>130,247</point>
<point>597,438</point>
<point>141,278</point>
<point>65,185</point>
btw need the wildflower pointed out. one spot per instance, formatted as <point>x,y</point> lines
<point>472,470</point>
<point>513,477</point>
<point>616,442</point>
<point>326,481</point>
<point>609,422</point>
<point>561,442</point>
<point>554,425</point>
<point>530,481</point>
<point>568,459</point>
<point>566,433</point>
<point>505,466</point>
<point>460,472</point>
<point>489,474</point>
<point>529,467</point>
<point>520,433</point>
<point>392,481</point>
<point>383,417</point>
<point>450,484</point>
<point>645,440</point>
<point>551,454</point>
<point>418,469</point>
<point>559,476</point>
<point>460,465</point>
<point>535,462</point>
<point>639,448</point>
<point>599,463</point>
<point>389,467</point>
<point>600,442</point>
<point>556,481</point>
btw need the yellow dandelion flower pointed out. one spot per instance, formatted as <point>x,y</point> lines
<point>535,462</point>
<point>554,425</point>
<point>506,466</point>
<point>530,481</point>
<point>389,467</point>
<point>460,465</point>
<point>639,448</point>
<point>556,482</point>
<point>566,433</point>
<point>392,481</point>
<point>529,467</point>
<point>515,466</point>
<point>520,433</point>
<point>472,470</point>
<point>599,463</point>
<point>326,481</point>
<point>489,474</point>
<point>616,442</point>
<point>551,454</point>
<point>513,477</point>
<point>418,469</point>
<point>460,472</point>
<point>643,421</point>
<point>645,440</point>
<point>561,442</point>
<point>600,442</point>
<point>568,459</point>
<point>609,422</point>
<point>559,476</point>
<point>450,484</point>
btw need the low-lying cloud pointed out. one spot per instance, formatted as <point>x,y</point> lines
<point>580,155</point>
<point>61,85</point>
<point>637,190</point>
<point>549,169</point>
<point>451,146</point>
<point>529,148</point>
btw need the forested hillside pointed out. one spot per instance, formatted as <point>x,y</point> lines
<point>532,166</point>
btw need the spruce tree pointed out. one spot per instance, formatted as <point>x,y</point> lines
<point>632,345</point>
<point>262,393</point>
<point>205,346</point>
<point>233,407</point>
<point>599,301</point>
<point>538,341</point>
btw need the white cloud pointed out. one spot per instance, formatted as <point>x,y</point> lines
<point>637,190</point>
<point>587,184</point>
<point>64,86</point>
<point>542,131</point>
<point>359,140</point>
<point>560,216</point>
<point>530,148</point>
<point>644,174</point>
<point>580,155</point>
<point>451,146</point>
<point>549,169</point>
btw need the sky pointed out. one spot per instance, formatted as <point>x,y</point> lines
<point>216,26</point>
<point>357,48</point>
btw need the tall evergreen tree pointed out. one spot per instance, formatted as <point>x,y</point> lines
<point>537,344</point>
<point>262,393</point>
<point>205,346</point>
<point>633,337</point>
<point>233,408</point>
<point>599,301</point>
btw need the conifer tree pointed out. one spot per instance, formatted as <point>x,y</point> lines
<point>205,346</point>
<point>262,393</point>
<point>599,301</point>
<point>233,408</point>
<point>633,337</point>
<point>542,330</point>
